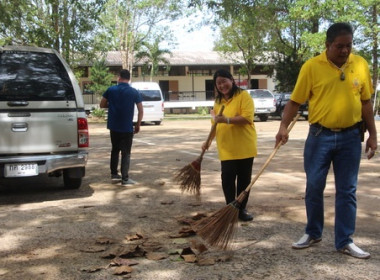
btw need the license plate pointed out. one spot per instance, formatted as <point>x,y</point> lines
<point>21,170</point>
<point>148,108</point>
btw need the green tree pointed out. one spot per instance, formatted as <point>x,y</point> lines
<point>127,24</point>
<point>65,25</point>
<point>100,77</point>
<point>243,29</point>
<point>292,42</point>
<point>295,29</point>
<point>363,15</point>
<point>153,55</point>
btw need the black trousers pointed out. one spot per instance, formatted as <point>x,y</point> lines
<point>236,176</point>
<point>121,142</point>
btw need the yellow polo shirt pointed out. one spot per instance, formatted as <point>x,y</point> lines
<point>333,103</point>
<point>236,141</point>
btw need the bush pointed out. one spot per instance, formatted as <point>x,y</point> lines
<point>202,111</point>
<point>99,113</point>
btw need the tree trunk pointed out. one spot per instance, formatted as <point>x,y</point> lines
<point>55,20</point>
<point>375,64</point>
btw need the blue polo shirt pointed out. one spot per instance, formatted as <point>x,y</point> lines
<point>121,105</point>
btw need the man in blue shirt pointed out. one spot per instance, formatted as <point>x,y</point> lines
<point>120,101</point>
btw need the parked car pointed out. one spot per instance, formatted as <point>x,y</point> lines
<point>153,102</point>
<point>265,103</point>
<point>43,123</point>
<point>281,101</point>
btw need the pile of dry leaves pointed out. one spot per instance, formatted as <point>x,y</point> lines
<point>124,255</point>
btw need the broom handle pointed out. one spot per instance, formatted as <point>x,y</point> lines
<point>271,156</point>
<point>213,128</point>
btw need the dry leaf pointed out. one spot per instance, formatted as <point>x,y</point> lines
<point>224,258</point>
<point>189,258</point>
<point>124,251</point>
<point>174,251</point>
<point>112,252</point>
<point>92,248</point>
<point>151,246</point>
<point>135,251</point>
<point>188,255</point>
<point>178,235</point>
<point>156,256</point>
<point>159,182</point>
<point>105,240</point>
<point>121,261</point>
<point>199,216</point>
<point>184,232</point>
<point>124,269</point>
<point>206,261</point>
<point>185,221</point>
<point>187,231</point>
<point>198,247</point>
<point>91,269</point>
<point>187,251</point>
<point>195,204</point>
<point>136,236</point>
<point>180,241</point>
<point>109,255</point>
<point>167,202</point>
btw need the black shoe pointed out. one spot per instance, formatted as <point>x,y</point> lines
<point>245,216</point>
<point>128,182</point>
<point>115,178</point>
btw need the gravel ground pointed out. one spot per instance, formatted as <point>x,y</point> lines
<point>106,231</point>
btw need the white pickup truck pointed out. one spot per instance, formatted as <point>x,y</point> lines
<point>43,124</point>
<point>265,103</point>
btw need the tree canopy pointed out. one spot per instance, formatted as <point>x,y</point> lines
<point>291,30</point>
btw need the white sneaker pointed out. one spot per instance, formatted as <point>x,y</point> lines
<point>305,242</point>
<point>354,251</point>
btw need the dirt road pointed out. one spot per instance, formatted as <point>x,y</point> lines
<point>47,232</point>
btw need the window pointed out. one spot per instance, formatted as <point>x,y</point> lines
<point>31,76</point>
<point>150,95</point>
<point>260,93</point>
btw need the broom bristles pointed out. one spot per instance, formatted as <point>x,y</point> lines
<point>189,177</point>
<point>220,228</point>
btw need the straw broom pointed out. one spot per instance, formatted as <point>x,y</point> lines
<point>219,229</point>
<point>189,177</point>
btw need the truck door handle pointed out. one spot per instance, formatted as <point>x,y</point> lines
<point>17,103</point>
<point>19,127</point>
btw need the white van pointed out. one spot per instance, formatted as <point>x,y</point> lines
<point>153,102</point>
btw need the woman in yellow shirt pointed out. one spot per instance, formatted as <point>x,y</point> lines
<point>235,138</point>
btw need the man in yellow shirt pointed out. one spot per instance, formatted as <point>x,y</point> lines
<point>338,86</point>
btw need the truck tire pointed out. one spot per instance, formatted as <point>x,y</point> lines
<point>263,118</point>
<point>71,180</point>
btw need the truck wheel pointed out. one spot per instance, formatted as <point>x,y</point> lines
<point>263,118</point>
<point>71,182</point>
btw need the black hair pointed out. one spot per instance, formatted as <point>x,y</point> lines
<point>225,74</point>
<point>125,74</point>
<point>337,29</point>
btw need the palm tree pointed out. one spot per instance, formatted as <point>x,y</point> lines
<point>153,55</point>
